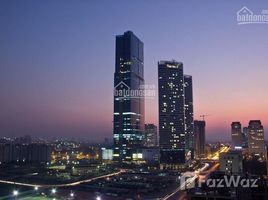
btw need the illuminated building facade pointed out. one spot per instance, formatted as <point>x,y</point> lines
<point>171,112</point>
<point>256,143</point>
<point>128,119</point>
<point>237,138</point>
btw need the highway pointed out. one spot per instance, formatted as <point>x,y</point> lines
<point>202,173</point>
<point>215,156</point>
<point>187,183</point>
<point>62,185</point>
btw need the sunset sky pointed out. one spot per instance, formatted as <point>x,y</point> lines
<point>57,60</point>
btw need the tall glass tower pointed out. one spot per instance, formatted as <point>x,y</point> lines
<point>128,120</point>
<point>171,113</point>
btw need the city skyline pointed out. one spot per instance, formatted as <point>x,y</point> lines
<point>57,78</point>
<point>116,100</point>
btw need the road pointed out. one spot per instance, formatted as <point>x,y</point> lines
<point>62,185</point>
<point>179,192</point>
<point>202,174</point>
<point>215,156</point>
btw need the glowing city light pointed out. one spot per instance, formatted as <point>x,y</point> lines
<point>53,191</point>
<point>71,194</point>
<point>15,193</point>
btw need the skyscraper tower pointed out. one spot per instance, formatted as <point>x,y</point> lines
<point>256,143</point>
<point>189,118</point>
<point>171,113</point>
<point>128,123</point>
<point>200,138</point>
<point>237,138</point>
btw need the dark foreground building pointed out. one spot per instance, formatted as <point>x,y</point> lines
<point>200,138</point>
<point>233,192</point>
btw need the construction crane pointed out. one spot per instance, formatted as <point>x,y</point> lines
<point>203,116</point>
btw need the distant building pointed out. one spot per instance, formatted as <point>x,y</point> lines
<point>245,136</point>
<point>236,131</point>
<point>106,154</point>
<point>128,120</point>
<point>200,138</point>
<point>25,153</point>
<point>256,143</point>
<point>171,113</point>
<point>231,163</point>
<point>189,113</point>
<point>151,139</point>
<point>150,155</point>
<point>24,140</point>
<point>108,142</point>
<point>85,170</point>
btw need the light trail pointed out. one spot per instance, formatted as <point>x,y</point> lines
<point>215,156</point>
<point>182,187</point>
<point>62,185</point>
<point>187,182</point>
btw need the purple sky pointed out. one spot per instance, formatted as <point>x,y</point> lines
<point>57,62</point>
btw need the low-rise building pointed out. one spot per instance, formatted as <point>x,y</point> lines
<point>231,162</point>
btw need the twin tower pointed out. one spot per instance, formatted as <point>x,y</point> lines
<point>175,98</point>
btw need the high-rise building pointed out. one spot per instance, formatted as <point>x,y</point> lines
<point>128,120</point>
<point>171,113</point>
<point>256,143</point>
<point>200,138</point>
<point>236,134</point>
<point>151,135</point>
<point>189,114</point>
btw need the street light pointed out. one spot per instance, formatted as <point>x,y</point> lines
<point>36,188</point>
<point>53,191</point>
<point>15,193</point>
<point>98,198</point>
<point>71,194</point>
